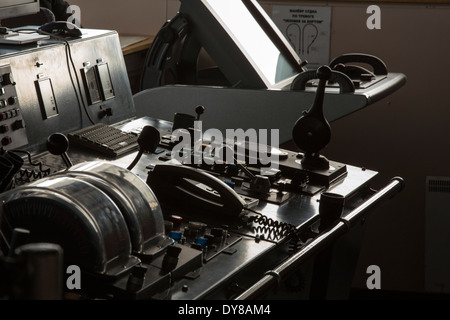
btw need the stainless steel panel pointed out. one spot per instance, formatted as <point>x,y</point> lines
<point>63,66</point>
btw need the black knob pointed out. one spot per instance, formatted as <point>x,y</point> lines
<point>4,128</point>
<point>330,209</point>
<point>177,221</point>
<point>7,79</point>
<point>12,101</point>
<point>6,141</point>
<point>149,139</point>
<point>58,144</point>
<point>199,110</point>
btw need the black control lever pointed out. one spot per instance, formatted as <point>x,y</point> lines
<point>58,144</point>
<point>199,110</point>
<point>258,183</point>
<point>312,132</point>
<point>148,141</point>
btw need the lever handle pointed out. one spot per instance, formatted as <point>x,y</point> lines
<point>58,144</point>
<point>148,141</point>
<point>199,110</point>
<point>312,131</point>
<point>324,74</point>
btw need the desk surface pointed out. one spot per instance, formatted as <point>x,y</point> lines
<point>134,43</point>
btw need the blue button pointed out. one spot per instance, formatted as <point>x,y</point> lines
<point>175,235</point>
<point>231,184</point>
<point>200,241</point>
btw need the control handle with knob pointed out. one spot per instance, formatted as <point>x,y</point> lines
<point>58,144</point>
<point>312,132</point>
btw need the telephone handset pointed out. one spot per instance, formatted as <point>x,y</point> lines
<point>194,189</point>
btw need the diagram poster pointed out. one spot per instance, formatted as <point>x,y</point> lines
<point>308,31</point>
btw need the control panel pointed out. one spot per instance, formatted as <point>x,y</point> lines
<point>12,125</point>
<point>97,82</point>
<point>62,87</point>
<point>140,217</point>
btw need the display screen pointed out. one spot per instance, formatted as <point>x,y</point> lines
<point>253,41</point>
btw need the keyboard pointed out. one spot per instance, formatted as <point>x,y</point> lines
<point>104,139</point>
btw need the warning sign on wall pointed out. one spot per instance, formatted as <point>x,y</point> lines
<point>308,31</point>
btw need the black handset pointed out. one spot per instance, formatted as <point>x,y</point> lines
<point>194,190</point>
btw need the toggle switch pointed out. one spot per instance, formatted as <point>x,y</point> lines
<point>6,141</point>
<point>176,220</point>
<point>16,125</point>
<point>4,128</point>
<point>12,101</point>
<point>136,279</point>
<point>7,79</point>
<point>170,260</point>
<point>175,235</point>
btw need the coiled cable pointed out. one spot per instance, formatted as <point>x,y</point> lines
<point>269,228</point>
<point>26,175</point>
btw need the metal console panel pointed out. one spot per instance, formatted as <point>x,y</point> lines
<point>222,270</point>
<point>56,81</point>
<point>257,109</point>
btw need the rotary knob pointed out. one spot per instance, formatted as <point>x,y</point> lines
<point>7,79</point>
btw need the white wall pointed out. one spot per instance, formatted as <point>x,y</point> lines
<point>133,17</point>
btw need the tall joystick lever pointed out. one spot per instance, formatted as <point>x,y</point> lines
<point>312,132</point>
<point>58,144</point>
<point>148,141</point>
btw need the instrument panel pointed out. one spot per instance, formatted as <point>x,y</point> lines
<point>78,172</point>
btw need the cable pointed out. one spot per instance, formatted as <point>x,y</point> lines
<point>70,62</point>
<point>25,175</point>
<point>34,164</point>
<point>273,229</point>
